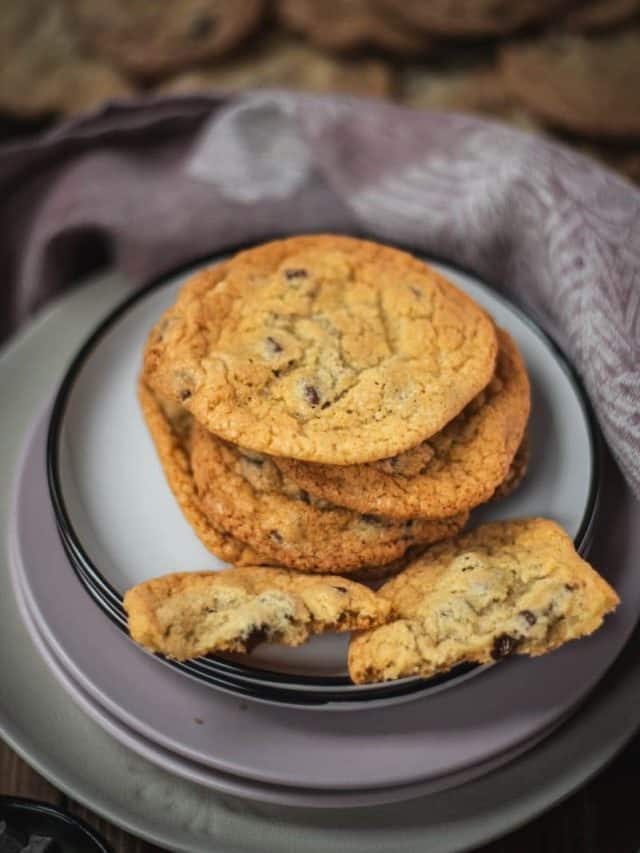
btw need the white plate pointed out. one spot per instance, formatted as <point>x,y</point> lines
<point>125,518</point>
<point>59,740</point>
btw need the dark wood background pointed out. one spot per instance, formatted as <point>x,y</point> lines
<point>603,817</point>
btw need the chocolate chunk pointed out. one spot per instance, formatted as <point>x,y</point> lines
<point>295,273</point>
<point>304,497</point>
<point>503,646</point>
<point>184,394</point>
<point>273,344</point>
<point>326,405</point>
<point>529,616</point>
<point>311,395</point>
<point>276,536</point>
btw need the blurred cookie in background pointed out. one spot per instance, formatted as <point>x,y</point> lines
<point>278,60</point>
<point>344,25</point>
<point>148,38</point>
<point>587,85</point>
<point>474,18</point>
<point>480,90</point>
<point>595,15</point>
<point>44,71</point>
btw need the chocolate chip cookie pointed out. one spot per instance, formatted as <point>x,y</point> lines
<point>509,587</point>
<point>322,348</point>
<point>250,497</point>
<point>147,38</point>
<point>584,84</point>
<point>188,614</point>
<point>456,469</point>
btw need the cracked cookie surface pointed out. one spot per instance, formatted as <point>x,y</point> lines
<point>188,614</point>
<point>249,496</point>
<point>509,587</point>
<point>455,470</point>
<point>322,348</point>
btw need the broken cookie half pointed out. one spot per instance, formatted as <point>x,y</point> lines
<point>509,587</point>
<point>188,614</point>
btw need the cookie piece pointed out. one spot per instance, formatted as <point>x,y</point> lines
<point>147,38</point>
<point>170,428</point>
<point>43,70</point>
<point>250,497</point>
<point>323,348</point>
<point>458,468</point>
<point>587,85</point>
<point>473,18</point>
<point>344,25</point>
<point>278,61</point>
<point>478,90</point>
<point>594,15</point>
<point>509,587</point>
<point>185,615</point>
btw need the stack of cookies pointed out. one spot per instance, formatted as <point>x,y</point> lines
<point>326,410</point>
<point>328,404</point>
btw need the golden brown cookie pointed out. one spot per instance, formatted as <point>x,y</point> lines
<point>250,497</point>
<point>345,25</point>
<point>148,38</point>
<point>509,587</point>
<point>323,348</point>
<point>43,69</point>
<point>170,429</point>
<point>185,615</point>
<point>279,61</point>
<point>595,15</point>
<point>458,468</point>
<point>588,85</point>
<point>473,18</point>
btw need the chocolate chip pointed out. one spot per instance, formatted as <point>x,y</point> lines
<point>311,395</point>
<point>503,646</point>
<point>276,373</point>
<point>371,519</point>
<point>274,346</point>
<point>326,405</point>
<point>201,26</point>
<point>342,589</point>
<point>184,394</point>
<point>295,273</point>
<point>529,616</point>
<point>276,536</point>
<point>304,497</point>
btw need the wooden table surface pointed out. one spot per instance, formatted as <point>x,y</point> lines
<point>603,817</point>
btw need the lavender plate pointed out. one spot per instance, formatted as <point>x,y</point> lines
<point>470,723</point>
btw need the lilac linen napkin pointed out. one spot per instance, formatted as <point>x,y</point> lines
<point>157,183</point>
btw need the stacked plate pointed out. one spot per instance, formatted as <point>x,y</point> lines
<point>94,516</point>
